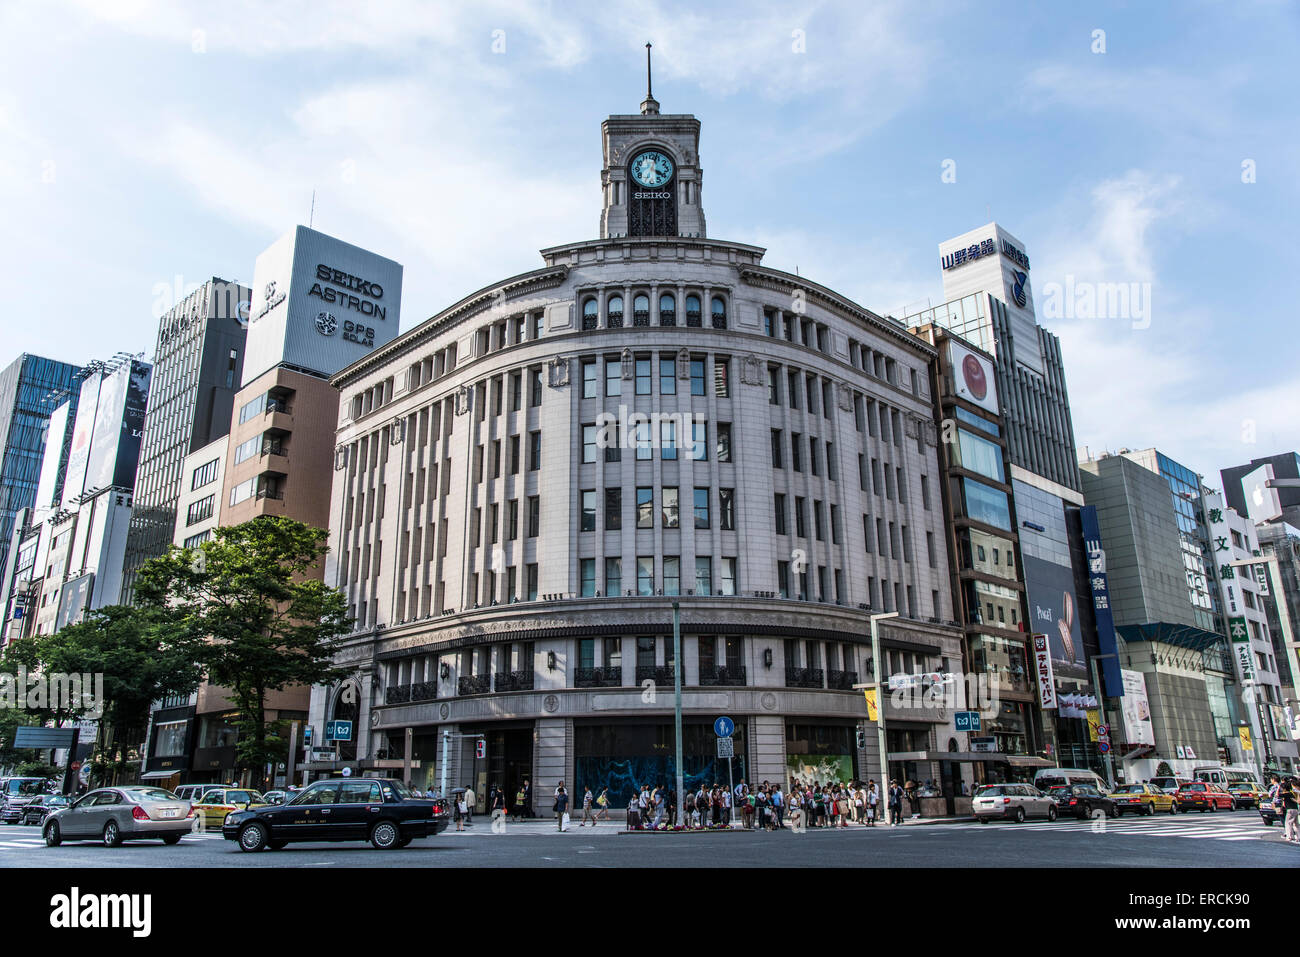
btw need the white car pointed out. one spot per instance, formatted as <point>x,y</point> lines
<point>1012,802</point>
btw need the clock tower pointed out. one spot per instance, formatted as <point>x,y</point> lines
<point>651,176</point>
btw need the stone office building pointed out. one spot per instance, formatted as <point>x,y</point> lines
<point>526,484</point>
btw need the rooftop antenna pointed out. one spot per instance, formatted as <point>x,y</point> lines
<point>649,105</point>
<point>311,217</point>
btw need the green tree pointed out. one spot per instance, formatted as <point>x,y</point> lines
<point>252,594</point>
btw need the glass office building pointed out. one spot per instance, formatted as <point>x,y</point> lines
<point>30,389</point>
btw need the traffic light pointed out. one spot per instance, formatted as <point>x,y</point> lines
<point>862,738</point>
<point>480,748</point>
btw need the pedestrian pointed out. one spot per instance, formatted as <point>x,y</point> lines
<point>873,801</point>
<point>561,808</point>
<point>778,806</point>
<point>460,812</point>
<point>633,813</point>
<point>1288,804</point>
<point>895,803</point>
<point>521,801</point>
<point>528,798</point>
<point>726,806</point>
<point>588,812</point>
<point>643,804</point>
<point>470,800</point>
<point>658,799</point>
<point>498,803</point>
<point>602,805</point>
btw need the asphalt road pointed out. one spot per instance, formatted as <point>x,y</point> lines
<point>1190,840</point>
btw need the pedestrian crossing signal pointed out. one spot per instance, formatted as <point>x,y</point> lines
<point>480,748</point>
<point>862,738</point>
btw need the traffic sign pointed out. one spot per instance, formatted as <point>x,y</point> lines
<point>966,720</point>
<point>723,728</point>
<point>1103,746</point>
<point>726,747</point>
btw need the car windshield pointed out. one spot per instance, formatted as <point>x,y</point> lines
<point>1129,789</point>
<point>1194,787</point>
<point>399,787</point>
<point>991,790</point>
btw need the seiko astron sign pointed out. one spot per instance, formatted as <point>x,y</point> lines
<point>319,304</point>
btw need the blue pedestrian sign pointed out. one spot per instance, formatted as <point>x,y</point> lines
<point>966,720</point>
<point>723,727</point>
<point>338,731</point>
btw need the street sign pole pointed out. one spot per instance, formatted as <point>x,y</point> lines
<point>446,751</point>
<point>731,791</point>
<point>880,710</point>
<point>1101,705</point>
<point>677,704</point>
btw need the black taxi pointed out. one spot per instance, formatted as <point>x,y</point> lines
<point>379,810</point>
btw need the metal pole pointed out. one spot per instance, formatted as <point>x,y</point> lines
<point>880,711</point>
<point>446,747</point>
<point>731,790</point>
<point>406,758</point>
<point>1101,709</point>
<point>677,703</point>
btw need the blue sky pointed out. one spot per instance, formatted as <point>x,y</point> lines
<point>146,146</point>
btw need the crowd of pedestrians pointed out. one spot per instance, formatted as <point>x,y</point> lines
<point>766,806</point>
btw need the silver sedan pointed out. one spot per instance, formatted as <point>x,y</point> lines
<point>1013,802</point>
<point>114,815</point>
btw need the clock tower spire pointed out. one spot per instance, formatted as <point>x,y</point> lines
<point>651,176</point>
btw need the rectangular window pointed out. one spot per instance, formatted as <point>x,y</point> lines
<point>208,472</point>
<point>613,576</point>
<point>514,455</point>
<point>813,457</point>
<point>534,515</point>
<point>776,449</point>
<point>643,375</point>
<point>613,377</point>
<point>796,451</point>
<point>671,517</point>
<point>832,470</point>
<point>722,377</point>
<point>668,440</point>
<point>699,441</point>
<point>727,577</point>
<point>724,441</point>
<point>512,512</point>
<point>534,450</point>
<point>246,450</point>
<point>645,576</point>
<point>667,375</point>
<point>703,575</point>
<point>645,508</point>
<point>818,523</point>
<point>531,578</point>
<point>773,386</point>
<point>200,510</point>
<point>701,503</point>
<point>779,502</point>
<point>672,575</point>
<point>589,379</point>
<point>613,509</point>
<point>727,509</point>
<point>589,510</point>
<point>588,444</point>
<point>697,377</point>
<point>534,387</point>
<point>643,444</point>
<point>588,569</point>
<point>586,652</point>
<point>783,579</point>
<point>800,521</point>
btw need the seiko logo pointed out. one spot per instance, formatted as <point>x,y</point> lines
<point>661,194</point>
<point>326,324</point>
<point>352,283</point>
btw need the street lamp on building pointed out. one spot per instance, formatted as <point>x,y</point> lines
<point>880,707</point>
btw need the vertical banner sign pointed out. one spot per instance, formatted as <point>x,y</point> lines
<point>1043,666</point>
<point>872,713</point>
<point>1240,636</point>
<point>1137,710</point>
<point>1101,601</point>
<point>1261,577</point>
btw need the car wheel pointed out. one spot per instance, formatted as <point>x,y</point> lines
<point>112,835</point>
<point>385,835</point>
<point>1020,815</point>
<point>1213,806</point>
<point>253,838</point>
<point>1114,811</point>
<point>982,820</point>
<point>1150,808</point>
<point>1051,813</point>
<point>171,839</point>
<point>1173,808</point>
<point>53,836</point>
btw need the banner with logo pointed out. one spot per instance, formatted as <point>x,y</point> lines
<point>972,377</point>
<point>1043,669</point>
<point>1136,709</point>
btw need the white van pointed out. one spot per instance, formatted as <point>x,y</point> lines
<point>1224,776</point>
<point>1052,777</point>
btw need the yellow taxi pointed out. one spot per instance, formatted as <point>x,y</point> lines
<point>210,810</point>
<point>1143,799</point>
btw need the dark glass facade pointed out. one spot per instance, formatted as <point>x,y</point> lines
<point>30,389</point>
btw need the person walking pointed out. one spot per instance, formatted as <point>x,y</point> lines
<point>498,808</point>
<point>521,802</point>
<point>1289,805</point>
<point>602,805</point>
<point>470,802</point>
<point>588,812</point>
<point>778,806</point>
<point>643,804</point>
<point>726,806</point>
<point>561,807</point>
<point>658,798</point>
<point>528,798</point>
<point>460,812</point>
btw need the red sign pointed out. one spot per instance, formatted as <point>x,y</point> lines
<point>1043,667</point>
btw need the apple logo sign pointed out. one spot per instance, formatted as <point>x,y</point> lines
<point>1258,495</point>
<point>973,373</point>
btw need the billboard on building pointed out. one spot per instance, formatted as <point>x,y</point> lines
<point>79,454</point>
<point>1099,584</point>
<point>48,488</point>
<point>1262,502</point>
<point>1050,594</point>
<point>319,304</point>
<point>973,376</point>
<point>1136,709</point>
<point>119,424</point>
<point>73,600</point>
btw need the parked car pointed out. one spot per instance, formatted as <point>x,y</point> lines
<point>17,793</point>
<point>114,815</point>
<point>1269,812</point>
<point>275,797</point>
<point>211,809</point>
<point>379,810</point>
<point>1247,793</point>
<point>40,806</point>
<point>1203,796</point>
<point>1013,802</point>
<point>1143,799</point>
<point>1081,800</point>
<point>1168,784</point>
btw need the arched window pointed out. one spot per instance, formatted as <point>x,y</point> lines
<point>667,310</point>
<point>615,312</point>
<point>590,314</point>
<point>692,310</point>
<point>641,310</point>
<point>719,309</point>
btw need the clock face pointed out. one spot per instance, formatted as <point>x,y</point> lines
<point>652,168</point>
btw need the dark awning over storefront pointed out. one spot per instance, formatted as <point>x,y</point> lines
<point>1184,636</point>
<point>972,757</point>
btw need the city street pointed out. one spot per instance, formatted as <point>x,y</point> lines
<point>1235,840</point>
